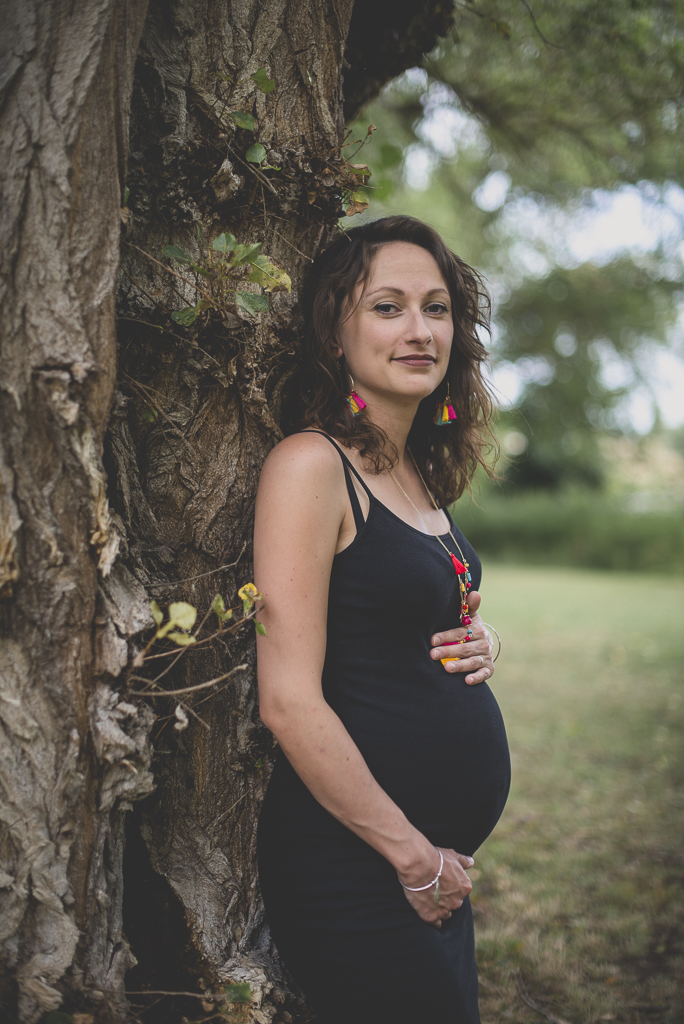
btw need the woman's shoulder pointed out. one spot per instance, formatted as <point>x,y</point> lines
<point>305,455</point>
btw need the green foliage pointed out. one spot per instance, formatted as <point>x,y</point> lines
<point>238,992</point>
<point>252,302</point>
<point>263,82</point>
<point>225,242</point>
<point>243,120</point>
<point>221,269</point>
<point>595,103</point>
<point>573,528</point>
<point>175,252</point>
<point>256,154</point>
<point>219,607</point>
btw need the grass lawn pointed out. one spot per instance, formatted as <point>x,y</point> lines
<point>579,893</point>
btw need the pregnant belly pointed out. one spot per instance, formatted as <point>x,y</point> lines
<point>443,759</point>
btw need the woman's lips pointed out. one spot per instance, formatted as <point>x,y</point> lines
<point>416,360</point>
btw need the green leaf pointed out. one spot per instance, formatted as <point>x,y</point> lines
<point>243,120</point>
<point>252,302</point>
<point>126,195</point>
<point>219,607</point>
<point>150,414</point>
<point>239,992</point>
<point>224,242</point>
<point>360,170</point>
<point>157,613</point>
<point>182,614</point>
<point>270,277</point>
<point>185,317</point>
<point>175,252</point>
<point>182,639</point>
<point>256,154</point>
<point>263,82</point>
<point>359,197</point>
<point>260,628</point>
<point>245,253</point>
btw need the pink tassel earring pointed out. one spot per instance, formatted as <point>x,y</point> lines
<point>445,413</point>
<point>354,401</point>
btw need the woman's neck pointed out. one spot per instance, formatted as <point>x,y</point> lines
<point>396,422</point>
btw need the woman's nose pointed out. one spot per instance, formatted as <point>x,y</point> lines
<point>419,330</point>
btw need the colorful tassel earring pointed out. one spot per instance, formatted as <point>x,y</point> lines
<point>445,413</point>
<point>354,401</point>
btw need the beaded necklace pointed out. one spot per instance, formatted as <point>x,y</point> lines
<point>461,567</point>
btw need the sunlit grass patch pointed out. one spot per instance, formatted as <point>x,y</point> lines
<point>579,893</point>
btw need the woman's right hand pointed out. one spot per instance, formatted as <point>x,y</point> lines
<point>454,886</point>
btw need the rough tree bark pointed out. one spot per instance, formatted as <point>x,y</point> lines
<point>193,415</point>
<point>66,77</point>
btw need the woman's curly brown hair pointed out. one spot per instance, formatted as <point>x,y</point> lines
<point>447,456</point>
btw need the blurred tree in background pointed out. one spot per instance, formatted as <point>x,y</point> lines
<point>523,123</point>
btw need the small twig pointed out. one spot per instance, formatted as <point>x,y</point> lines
<point>201,575</point>
<point>526,998</point>
<point>536,27</point>
<point>216,996</point>
<point>134,381</point>
<point>186,689</point>
<point>258,174</point>
<point>292,246</point>
<point>225,814</point>
<point>175,273</point>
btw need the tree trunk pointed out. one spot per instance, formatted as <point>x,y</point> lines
<point>194,413</point>
<point>66,76</point>
<point>195,417</point>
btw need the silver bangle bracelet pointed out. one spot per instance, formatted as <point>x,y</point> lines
<point>435,880</point>
<point>497,637</point>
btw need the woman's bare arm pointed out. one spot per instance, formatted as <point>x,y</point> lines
<point>301,508</point>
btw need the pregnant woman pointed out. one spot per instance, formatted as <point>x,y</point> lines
<point>393,765</point>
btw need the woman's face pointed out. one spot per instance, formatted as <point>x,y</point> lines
<point>397,340</point>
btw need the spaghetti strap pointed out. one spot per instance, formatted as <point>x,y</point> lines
<point>359,519</point>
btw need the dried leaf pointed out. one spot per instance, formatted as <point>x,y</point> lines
<point>182,717</point>
<point>358,202</point>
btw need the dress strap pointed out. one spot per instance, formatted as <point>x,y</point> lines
<point>351,490</point>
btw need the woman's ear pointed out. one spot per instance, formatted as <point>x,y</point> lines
<point>337,349</point>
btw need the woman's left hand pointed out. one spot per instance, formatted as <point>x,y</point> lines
<point>475,657</point>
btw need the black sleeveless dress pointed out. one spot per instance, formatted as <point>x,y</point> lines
<point>336,910</point>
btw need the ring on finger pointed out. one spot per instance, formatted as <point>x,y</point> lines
<point>481,660</point>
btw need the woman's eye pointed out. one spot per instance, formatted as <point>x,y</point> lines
<point>436,307</point>
<point>385,307</point>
